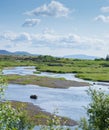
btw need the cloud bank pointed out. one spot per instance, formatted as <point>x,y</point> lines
<point>52,40</point>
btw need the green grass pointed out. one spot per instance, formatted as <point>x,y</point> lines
<point>85,69</point>
<point>96,70</point>
<point>94,76</point>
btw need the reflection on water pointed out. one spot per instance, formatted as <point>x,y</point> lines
<point>69,102</point>
<point>20,70</point>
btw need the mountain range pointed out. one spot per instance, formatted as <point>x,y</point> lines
<point>79,56</point>
<point>5,52</point>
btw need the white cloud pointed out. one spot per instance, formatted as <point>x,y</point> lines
<point>51,41</point>
<point>31,22</point>
<point>13,37</point>
<point>105,9</point>
<point>9,36</point>
<point>102,18</point>
<point>54,8</point>
<point>22,37</point>
<point>54,40</point>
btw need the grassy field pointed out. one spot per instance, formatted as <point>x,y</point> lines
<point>84,69</point>
<point>96,70</point>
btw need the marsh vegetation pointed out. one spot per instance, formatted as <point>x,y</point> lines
<point>96,70</point>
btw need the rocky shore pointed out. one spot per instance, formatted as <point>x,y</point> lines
<point>39,116</point>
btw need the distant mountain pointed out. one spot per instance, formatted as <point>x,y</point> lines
<point>21,53</point>
<point>5,52</point>
<point>81,56</point>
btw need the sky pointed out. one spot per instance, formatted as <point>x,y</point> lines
<point>55,27</point>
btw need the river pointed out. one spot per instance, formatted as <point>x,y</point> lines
<point>69,102</point>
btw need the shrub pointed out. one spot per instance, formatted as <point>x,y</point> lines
<point>54,123</point>
<point>11,118</point>
<point>97,111</point>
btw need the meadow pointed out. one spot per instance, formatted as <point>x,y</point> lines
<point>96,70</point>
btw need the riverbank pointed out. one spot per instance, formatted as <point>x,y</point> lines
<point>44,81</point>
<point>40,117</point>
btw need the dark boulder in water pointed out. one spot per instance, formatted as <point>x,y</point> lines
<point>33,96</point>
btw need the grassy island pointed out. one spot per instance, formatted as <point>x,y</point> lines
<point>44,81</point>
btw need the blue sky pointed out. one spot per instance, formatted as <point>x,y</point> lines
<point>55,27</point>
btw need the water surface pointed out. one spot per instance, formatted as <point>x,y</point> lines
<point>69,101</point>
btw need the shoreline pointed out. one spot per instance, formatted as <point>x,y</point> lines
<point>75,84</point>
<point>44,81</point>
<point>39,116</point>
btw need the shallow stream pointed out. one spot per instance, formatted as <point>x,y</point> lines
<point>69,102</point>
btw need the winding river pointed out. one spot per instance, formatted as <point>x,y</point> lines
<point>69,101</point>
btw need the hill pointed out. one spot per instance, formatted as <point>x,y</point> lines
<point>5,52</point>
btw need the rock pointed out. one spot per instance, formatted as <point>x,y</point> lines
<point>33,96</point>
